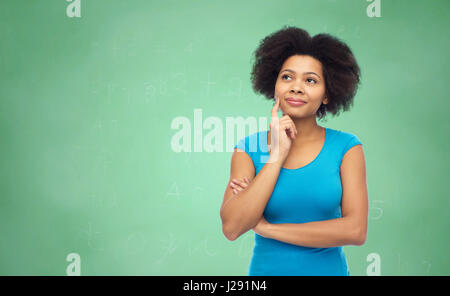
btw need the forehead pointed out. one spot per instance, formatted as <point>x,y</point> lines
<point>302,63</point>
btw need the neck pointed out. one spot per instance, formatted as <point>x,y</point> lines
<point>307,129</point>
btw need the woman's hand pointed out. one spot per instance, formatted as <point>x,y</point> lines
<point>239,185</point>
<point>282,133</point>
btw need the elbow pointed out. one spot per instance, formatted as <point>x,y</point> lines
<point>227,232</point>
<point>230,235</point>
<point>231,228</point>
<point>356,233</point>
<point>360,236</point>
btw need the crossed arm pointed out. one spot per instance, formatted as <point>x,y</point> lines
<point>351,229</point>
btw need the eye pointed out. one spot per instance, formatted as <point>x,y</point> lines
<point>282,77</point>
<point>315,82</point>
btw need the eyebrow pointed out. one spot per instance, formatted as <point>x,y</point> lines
<point>289,70</point>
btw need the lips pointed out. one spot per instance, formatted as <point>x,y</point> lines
<point>295,100</point>
<point>296,103</point>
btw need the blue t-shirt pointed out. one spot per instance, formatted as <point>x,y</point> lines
<point>310,193</point>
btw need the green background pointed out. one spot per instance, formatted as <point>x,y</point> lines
<point>85,117</point>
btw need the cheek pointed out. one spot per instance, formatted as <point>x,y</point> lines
<point>278,89</point>
<point>317,93</point>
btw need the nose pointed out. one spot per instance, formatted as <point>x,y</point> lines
<point>296,87</point>
<point>296,90</point>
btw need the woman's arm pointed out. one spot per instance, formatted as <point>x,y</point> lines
<point>241,212</point>
<point>317,234</point>
<point>351,229</point>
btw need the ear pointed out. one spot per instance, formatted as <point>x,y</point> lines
<point>325,101</point>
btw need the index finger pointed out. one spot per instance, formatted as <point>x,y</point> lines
<point>275,108</point>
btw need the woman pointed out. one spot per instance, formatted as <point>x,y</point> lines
<point>309,198</point>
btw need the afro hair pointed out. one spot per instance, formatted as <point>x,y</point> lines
<point>340,69</point>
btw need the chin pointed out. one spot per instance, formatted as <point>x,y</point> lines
<point>294,115</point>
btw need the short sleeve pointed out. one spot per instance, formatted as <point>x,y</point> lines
<point>354,140</point>
<point>241,145</point>
<point>249,145</point>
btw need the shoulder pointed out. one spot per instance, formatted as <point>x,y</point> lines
<point>352,153</point>
<point>345,143</point>
<point>345,139</point>
<point>344,136</point>
<point>251,142</point>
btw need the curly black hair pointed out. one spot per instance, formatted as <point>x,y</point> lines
<point>339,66</point>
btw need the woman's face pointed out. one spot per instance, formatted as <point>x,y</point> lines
<point>301,77</point>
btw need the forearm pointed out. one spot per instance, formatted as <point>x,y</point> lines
<point>242,212</point>
<point>317,234</point>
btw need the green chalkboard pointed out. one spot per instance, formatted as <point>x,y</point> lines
<point>94,93</point>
